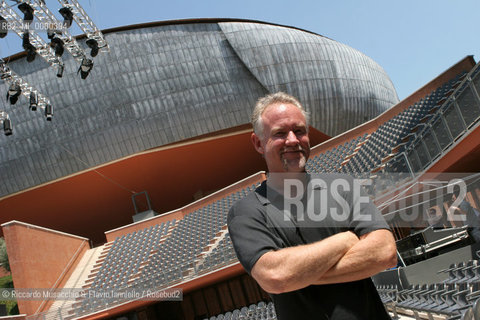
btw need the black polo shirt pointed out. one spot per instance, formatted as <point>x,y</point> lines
<point>258,224</point>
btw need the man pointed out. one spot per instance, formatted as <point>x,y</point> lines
<point>462,207</point>
<point>310,272</point>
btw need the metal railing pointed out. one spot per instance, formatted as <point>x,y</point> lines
<point>455,119</point>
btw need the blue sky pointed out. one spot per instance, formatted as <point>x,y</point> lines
<point>413,40</point>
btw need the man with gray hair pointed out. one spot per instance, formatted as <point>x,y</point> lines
<point>311,270</point>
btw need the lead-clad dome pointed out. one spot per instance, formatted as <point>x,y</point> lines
<point>166,82</point>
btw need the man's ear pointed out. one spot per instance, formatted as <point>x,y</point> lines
<point>257,143</point>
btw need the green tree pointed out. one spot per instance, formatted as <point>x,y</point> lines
<point>6,282</point>
<point>3,255</point>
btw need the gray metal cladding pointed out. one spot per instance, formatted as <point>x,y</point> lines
<point>340,86</point>
<point>166,83</point>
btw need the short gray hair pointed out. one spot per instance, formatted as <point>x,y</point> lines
<point>271,99</point>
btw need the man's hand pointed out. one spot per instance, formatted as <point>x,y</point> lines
<point>297,267</point>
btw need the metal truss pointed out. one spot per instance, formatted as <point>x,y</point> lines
<point>48,20</point>
<point>9,76</point>
<point>16,23</point>
<point>85,23</point>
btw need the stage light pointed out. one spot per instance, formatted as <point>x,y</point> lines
<point>29,48</point>
<point>7,126</point>
<point>27,11</point>
<point>60,69</point>
<point>85,68</point>
<point>3,27</point>
<point>50,33</point>
<point>52,30</point>
<point>14,92</point>
<point>58,46</point>
<point>33,101</point>
<point>93,44</point>
<point>49,112</point>
<point>67,16</point>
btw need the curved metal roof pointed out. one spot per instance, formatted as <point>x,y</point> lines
<point>163,83</point>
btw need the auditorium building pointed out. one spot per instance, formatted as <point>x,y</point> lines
<point>129,186</point>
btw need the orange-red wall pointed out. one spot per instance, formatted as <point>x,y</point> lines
<point>38,257</point>
<point>180,213</point>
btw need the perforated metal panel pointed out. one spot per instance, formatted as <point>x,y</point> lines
<point>431,144</point>
<point>454,120</point>
<point>442,133</point>
<point>469,106</point>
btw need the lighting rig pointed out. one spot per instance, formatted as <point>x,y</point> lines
<point>95,39</point>
<point>72,10</point>
<point>31,41</point>
<point>59,35</point>
<point>18,87</point>
<point>60,39</point>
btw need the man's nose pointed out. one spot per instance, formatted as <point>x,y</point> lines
<point>291,138</point>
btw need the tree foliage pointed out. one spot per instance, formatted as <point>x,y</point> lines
<point>3,255</point>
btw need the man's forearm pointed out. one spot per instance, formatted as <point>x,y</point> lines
<point>374,252</point>
<point>294,268</point>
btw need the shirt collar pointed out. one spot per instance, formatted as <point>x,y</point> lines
<point>263,190</point>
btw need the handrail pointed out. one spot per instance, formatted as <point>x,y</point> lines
<point>57,282</point>
<point>398,198</point>
<point>428,125</point>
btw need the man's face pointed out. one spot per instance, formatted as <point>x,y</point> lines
<point>285,143</point>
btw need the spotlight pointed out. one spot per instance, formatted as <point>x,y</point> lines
<point>31,50</point>
<point>67,16</point>
<point>93,44</point>
<point>7,126</point>
<point>33,101</point>
<point>60,69</point>
<point>85,68</point>
<point>3,27</point>
<point>14,92</point>
<point>49,112</point>
<point>58,46</point>
<point>52,30</point>
<point>27,11</point>
<point>50,33</point>
<point>25,39</point>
